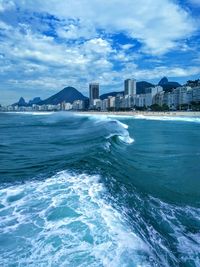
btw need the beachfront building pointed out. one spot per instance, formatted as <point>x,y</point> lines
<point>67,106</point>
<point>78,105</point>
<point>153,90</point>
<point>158,98</point>
<point>93,93</point>
<point>139,100</point>
<point>168,99</point>
<point>104,105</point>
<point>47,107</point>
<point>130,87</point>
<point>180,97</point>
<point>97,104</point>
<point>150,94</point>
<point>127,101</point>
<point>111,102</point>
<point>185,95</point>
<point>118,100</point>
<point>196,94</point>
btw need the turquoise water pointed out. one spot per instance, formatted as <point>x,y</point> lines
<point>80,190</point>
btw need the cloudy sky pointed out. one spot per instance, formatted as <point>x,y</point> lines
<point>46,45</point>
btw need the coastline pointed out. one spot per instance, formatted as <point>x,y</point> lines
<point>144,113</point>
<point>119,113</point>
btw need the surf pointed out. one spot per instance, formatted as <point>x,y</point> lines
<point>64,220</point>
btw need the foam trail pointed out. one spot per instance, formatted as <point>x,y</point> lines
<point>168,118</point>
<point>63,219</point>
<point>145,117</point>
<point>31,113</point>
<point>125,126</point>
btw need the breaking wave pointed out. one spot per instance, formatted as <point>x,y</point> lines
<point>168,118</point>
<point>65,220</point>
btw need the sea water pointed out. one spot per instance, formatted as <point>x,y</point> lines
<point>98,190</point>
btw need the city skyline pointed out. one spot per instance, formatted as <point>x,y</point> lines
<point>98,91</point>
<point>87,92</point>
<point>152,98</point>
<point>47,45</point>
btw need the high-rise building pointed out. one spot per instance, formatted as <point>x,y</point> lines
<point>130,87</point>
<point>93,92</point>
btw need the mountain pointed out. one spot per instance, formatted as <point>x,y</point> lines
<point>104,96</point>
<point>168,86</point>
<point>20,103</point>
<point>35,100</point>
<point>163,81</point>
<point>68,94</point>
<point>141,86</point>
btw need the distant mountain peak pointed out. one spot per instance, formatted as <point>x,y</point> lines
<point>35,100</point>
<point>67,94</point>
<point>167,85</point>
<point>163,81</point>
<point>21,102</point>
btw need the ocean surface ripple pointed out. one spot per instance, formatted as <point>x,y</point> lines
<point>91,190</point>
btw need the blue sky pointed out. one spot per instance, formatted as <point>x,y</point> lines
<point>46,45</point>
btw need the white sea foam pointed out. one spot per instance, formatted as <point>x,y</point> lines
<point>140,116</point>
<point>66,220</point>
<point>100,116</point>
<point>175,219</point>
<point>120,116</point>
<point>125,126</point>
<point>39,113</point>
<point>126,139</point>
<point>42,113</point>
<point>168,118</point>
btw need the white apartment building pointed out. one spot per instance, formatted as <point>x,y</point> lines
<point>78,105</point>
<point>130,87</point>
<point>111,102</point>
<point>104,104</point>
<point>196,94</point>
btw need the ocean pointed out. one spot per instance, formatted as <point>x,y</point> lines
<point>98,190</point>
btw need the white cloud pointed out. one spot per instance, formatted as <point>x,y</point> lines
<point>32,60</point>
<point>6,5</point>
<point>98,45</point>
<point>166,71</point>
<point>4,26</point>
<point>76,31</point>
<point>157,24</point>
<point>35,46</point>
<point>127,46</point>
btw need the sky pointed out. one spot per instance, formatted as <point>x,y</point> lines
<point>46,45</point>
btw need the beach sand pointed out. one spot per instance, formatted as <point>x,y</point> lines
<point>145,113</point>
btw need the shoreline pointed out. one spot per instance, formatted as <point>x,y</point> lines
<point>119,113</point>
<point>144,113</point>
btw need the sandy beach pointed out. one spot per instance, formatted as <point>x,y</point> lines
<point>146,113</point>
